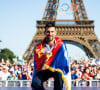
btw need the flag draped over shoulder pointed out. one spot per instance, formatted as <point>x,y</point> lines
<point>57,62</point>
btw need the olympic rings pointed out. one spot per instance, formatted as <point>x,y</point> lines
<point>73,4</point>
<point>65,7</point>
<point>57,10</point>
<point>54,7</point>
<point>63,10</point>
<point>68,8</point>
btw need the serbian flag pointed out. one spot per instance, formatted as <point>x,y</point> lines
<point>58,61</point>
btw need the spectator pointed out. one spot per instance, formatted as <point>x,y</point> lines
<point>30,72</point>
<point>74,76</point>
<point>79,73</point>
<point>24,75</point>
<point>81,68</point>
<point>12,76</point>
<point>11,68</point>
<point>15,70</point>
<point>19,70</point>
<point>6,73</point>
<point>86,75</point>
<point>19,75</point>
<point>98,74</point>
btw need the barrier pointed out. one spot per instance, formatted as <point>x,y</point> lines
<point>50,83</point>
<point>15,83</point>
<point>88,83</point>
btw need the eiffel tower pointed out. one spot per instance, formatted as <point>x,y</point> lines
<point>79,30</point>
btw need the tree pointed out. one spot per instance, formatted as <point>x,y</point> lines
<point>7,54</point>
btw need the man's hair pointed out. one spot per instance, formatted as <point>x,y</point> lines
<point>49,24</point>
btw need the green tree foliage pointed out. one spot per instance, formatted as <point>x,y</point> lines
<point>7,54</point>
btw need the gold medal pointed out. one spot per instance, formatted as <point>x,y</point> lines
<point>49,53</point>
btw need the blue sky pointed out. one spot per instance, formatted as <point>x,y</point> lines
<point>18,21</point>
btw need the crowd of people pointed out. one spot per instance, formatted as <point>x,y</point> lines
<point>16,72</point>
<point>85,70</point>
<point>81,70</point>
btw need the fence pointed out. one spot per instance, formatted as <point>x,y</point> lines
<point>88,83</point>
<point>15,83</point>
<point>95,83</point>
<point>27,83</point>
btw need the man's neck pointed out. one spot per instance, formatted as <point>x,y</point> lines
<point>50,43</point>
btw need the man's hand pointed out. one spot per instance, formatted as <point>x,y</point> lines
<point>49,54</point>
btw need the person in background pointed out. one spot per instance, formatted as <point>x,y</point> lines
<point>5,73</point>
<point>78,73</point>
<point>15,70</point>
<point>28,73</point>
<point>87,76</point>
<point>24,75</point>
<point>12,76</point>
<point>98,74</point>
<point>74,76</point>
<point>19,75</point>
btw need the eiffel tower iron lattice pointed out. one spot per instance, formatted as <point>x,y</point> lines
<point>79,30</point>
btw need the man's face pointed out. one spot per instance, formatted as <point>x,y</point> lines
<point>50,33</point>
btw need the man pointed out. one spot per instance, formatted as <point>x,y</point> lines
<point>74,76</point>
<point>5,73</point>
<point>50,60</point>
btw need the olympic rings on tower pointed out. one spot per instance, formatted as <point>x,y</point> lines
<point>68,9</point>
